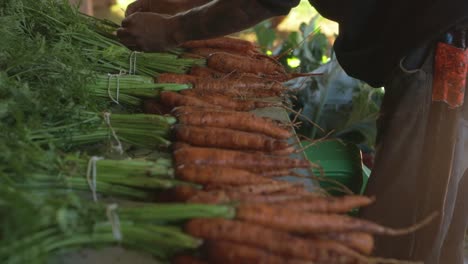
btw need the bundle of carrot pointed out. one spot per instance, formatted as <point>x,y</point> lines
<point>129,89</point>
<point>60,225</point>
<point>237,156</point>
<point>89,127</point>
<point>57,20</point>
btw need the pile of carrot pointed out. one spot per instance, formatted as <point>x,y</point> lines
<point>237,157</point>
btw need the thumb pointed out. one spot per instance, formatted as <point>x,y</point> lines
<point>133,8</point>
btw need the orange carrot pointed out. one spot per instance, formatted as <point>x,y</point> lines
<point>210,197</point>
<point>234,159</point>
<point>234,120</point>
<point>264,188</point>
<point>173,99</point>
<point>220,196</point>
<point>309,223</point>
<point>218,175</point>
<point>272,173</point>
<point>227,138</point>
<point>300,190</point>
<point>235,253</point>
<point>332,205</point>
<point>238,88</point>
<point>228,87</point>
<point>206,72</point>
<point>361,242</point>
<point>268,198</point>
<point>221,43</point>
<point>276,242</point>
<point>238,193</point>
<point>176,78</point>
<point>227,63</point>
<point>230,103</point>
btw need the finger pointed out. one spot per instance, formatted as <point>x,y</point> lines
<point>132,8</point>
<point>129,43</point>
<point>126,22</point>
<point>127,39</point>
<point>123,33</point>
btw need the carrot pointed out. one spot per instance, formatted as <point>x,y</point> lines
<point>187,259</point>
<point>264,188</point>
<point>227,138</point>
<point>269,198</point>
<point>210,197</point>
<point>173,99</point>
<point>300,190</point>
<point>238,88</point>
<point>235,253</point>
<point>272,173</point>
<point>227,87</point>
<point>309,223</point>
<point>361,242</point>
<point>221,43</point>
<point>218,175</point>
<point>227,63</point>
<point>234,159</point>
<point>230,194</point>
<point>230,103</point>
<point>276,242</point>
<point>220,196</point>
<point>319,204</point>
<point>281,152</point>
<point>234,120</point>
<point>206,72</point>
<point>176,78</point>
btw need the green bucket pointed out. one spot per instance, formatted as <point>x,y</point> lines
<point>340,162</point>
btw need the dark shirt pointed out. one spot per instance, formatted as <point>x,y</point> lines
<point>375,34</point>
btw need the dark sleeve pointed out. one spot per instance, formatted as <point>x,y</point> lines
<point>280,7</point>
<point>336,10</point>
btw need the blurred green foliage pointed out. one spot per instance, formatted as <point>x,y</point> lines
<point>343,107</point>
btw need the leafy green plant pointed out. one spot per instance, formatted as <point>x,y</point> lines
<point>343,107</point>
<point>301,51</point>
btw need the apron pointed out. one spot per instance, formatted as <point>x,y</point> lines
<point>422,160</point>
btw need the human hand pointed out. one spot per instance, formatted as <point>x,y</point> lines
<point>149,32</point>
<point>169,7</point>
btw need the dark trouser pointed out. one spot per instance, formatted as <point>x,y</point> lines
<point>420,167</point>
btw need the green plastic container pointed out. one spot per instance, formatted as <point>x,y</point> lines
<point>341,162</point>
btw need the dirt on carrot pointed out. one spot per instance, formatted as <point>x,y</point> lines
<point>234,120</point>
<point>225,62</point>
<point>235,253</point>
<point>209,175</point>
<point>234,159</point>
<point>359,241</point>
<point>173,99</point>
<point>331,205</point>
<point>276,242</point>
<point>227,138</point>
<point>290,220</point>
<point>231,103</point>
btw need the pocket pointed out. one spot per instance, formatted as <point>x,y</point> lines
<point>407,98</point>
